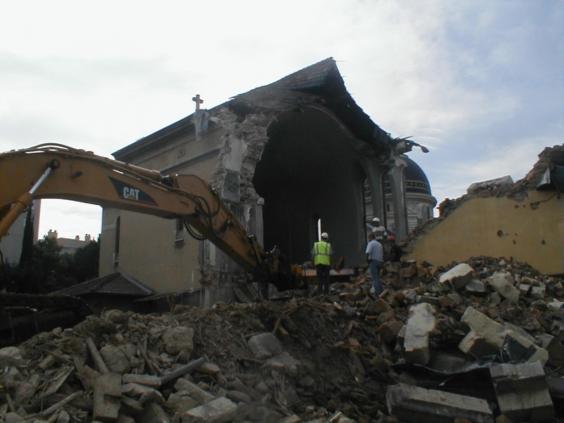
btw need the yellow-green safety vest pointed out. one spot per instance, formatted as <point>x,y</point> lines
<point>322,253</point>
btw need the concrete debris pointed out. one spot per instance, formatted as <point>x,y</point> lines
<point>217,411</point>
<point>415,404</point>
<point>179,340</point>
<point>522,391</point>
<point>265,345</point>
<point>420,324</point>
<point>504,284</point>
<point>475,286</point>
<point>338,358</point>
<point>490,185</point>
<point>458,276</point>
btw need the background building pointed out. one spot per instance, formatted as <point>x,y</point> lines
<point>280,157</point>
<point>11,244</point>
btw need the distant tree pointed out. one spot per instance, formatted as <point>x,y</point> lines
<point>84,262</point>
<point>46,266</point>
<point>27,244</point>
<point>47,270</point>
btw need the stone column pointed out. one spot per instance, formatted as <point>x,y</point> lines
<point>397,182</point>
<point>259,222</point>
<point>374,175</point>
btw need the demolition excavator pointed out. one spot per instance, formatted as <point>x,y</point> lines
<point>58,171</point>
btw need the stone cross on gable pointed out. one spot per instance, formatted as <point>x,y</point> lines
<point>198,101</point>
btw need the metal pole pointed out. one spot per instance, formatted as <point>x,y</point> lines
<point>23,201</point>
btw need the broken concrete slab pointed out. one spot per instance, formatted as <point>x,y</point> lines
<point>283,362</point>
<point>488,328</point>
<point>179,339</point>
<point>199,394</point>
<point>522,391</point>
<point>538,292</point>
<point>458,276</point>
<point>503,283</point>
<point>181,402</point>
<point>476,286</point>
<point>106,398</point>
<point>477,346</point>
<point>265,345</point>
<point>116,360</point>
<point>148,380</point>
<point>519,348</point>
<point>238,396</point>
<point>420,324</point>
<point>220,410</point>
<point>414,404</point>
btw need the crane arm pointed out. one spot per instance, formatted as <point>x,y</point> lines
<point>58,171</point>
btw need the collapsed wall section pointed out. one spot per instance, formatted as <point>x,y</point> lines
<point>524,221</point>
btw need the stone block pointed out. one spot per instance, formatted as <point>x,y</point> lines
<point>476,286</point>
<point>265,345</point>
<point>291,419</point>
<point>116,360</point>
<point>538,292</point>
<point>238,396</point>
<point>199,394</point>
<point>414,404</point>
<point>489,329</point>
<point>522,391</point>
<point>458,276</point>
<point>477,346</point>
<point>179,339</point>
<point>284,362</point>
<point>148,380</point>
<point>524,289</point>
<point>181,402</point>
<point>517,347</point>
<point>555,305</point>
<point>503,283</point>
<point>420,324</point>
<point>208,368</point>
<point>220,410</point>
<point>106,397</point>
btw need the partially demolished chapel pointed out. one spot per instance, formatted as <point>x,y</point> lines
<point>281,157</point>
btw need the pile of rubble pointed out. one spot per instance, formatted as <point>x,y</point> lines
<point>476,341</point>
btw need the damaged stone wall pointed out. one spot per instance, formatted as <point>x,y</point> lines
<point>508,220</point>
<point>311,113</point>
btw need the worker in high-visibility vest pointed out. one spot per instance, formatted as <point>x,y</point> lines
<point>321,254</point>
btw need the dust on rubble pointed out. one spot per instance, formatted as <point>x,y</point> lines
<point>406,356</point>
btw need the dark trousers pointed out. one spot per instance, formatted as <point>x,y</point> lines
<point>323,278</point>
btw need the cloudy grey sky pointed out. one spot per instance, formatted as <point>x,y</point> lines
<point>480,82</point>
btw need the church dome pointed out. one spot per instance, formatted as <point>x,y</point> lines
<point>415,179</point>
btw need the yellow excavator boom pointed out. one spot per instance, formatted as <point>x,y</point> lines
<point>58,171</point>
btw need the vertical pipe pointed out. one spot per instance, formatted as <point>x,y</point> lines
<point>319,229</point>
<point>23,202</point>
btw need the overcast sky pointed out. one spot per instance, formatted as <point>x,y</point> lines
<point>480,82</point>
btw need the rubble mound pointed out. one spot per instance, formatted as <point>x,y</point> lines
<point>349,356</point>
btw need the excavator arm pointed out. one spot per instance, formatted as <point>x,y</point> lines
<point>58,171</point>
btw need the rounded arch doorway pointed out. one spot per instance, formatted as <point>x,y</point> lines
<point>309,171</point>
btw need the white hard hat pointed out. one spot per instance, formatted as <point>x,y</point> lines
<point>376,220</point>
<point>324,235</point>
